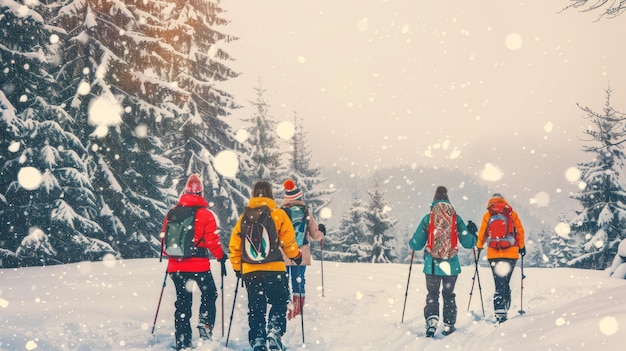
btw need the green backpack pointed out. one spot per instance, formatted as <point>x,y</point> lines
<point>179,234</point>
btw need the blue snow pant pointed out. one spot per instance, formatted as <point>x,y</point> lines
<point>502,270</point>
<point>266,287</point>
<point>297,285</point>
<point>446,283</point>
<point>208,296</point>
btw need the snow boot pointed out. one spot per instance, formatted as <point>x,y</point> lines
<point>431,326</point>
<point>274,342</point>
<point>259,345</point>
<point>448,329</point>
<point>183,341</point>
<point>205,330</point>
<point>500,316</point>
<point>297,305</point>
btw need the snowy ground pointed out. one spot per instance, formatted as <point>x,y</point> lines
<point>111,306</point>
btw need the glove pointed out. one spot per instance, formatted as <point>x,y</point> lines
<point>471,228</point>
<point>223,259</point>
<point>522,251</point>
<point>322,228</point>
<point>298,259</point>
<point>238,274</point>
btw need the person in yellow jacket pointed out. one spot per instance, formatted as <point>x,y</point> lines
<point>263,269</point>
<point>502,252</point>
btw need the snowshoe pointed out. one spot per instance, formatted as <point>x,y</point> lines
<point>431,326</point>
<point>259,345</point>
<point>275,343</point>
<point>448,329</point>
<point>205,330</point>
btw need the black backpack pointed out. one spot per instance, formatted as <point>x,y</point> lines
<point>259,239</point>
<point>179,234</point>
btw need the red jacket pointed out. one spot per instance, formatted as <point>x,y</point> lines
<point>206,235</point>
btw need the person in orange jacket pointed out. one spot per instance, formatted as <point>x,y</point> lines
<point>196,268</point>
<point>266,281</point>
<point>502,254</point>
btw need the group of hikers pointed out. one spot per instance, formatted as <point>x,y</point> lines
<point>441,231</point>
<point>269,252</point>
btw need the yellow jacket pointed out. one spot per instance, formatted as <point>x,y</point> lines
<point>511,252</point>
<point>284,230</point>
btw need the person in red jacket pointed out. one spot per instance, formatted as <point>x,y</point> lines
<point>196,268</point>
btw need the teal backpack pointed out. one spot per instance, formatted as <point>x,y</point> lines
<point>298,214</point>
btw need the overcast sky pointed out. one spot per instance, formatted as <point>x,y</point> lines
<point>467,84</point>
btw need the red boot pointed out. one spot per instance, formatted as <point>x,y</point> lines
<point>298,303</point>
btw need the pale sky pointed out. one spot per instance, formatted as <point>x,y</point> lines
<point>456,84</point>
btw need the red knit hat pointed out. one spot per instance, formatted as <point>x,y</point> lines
<point>291,190</point>
<point>194,185</point>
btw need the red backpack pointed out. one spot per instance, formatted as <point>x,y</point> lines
<point>442,239</point>
<point>500,228</point>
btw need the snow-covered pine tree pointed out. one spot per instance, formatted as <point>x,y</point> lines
<point>379,222</point>
<point>189,59</point>
<point>116,82</point>
<point>263,141</point>
<point>27,45</point>
<point>61,207</point>
<point>351,242</point>
<point>601,221</point>
<point>139,81</point>
<point>306,176</point>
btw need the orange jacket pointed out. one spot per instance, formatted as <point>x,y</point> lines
<point>284,230</point>
<point>511,252</point>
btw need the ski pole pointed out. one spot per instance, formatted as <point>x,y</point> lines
<point>476,277</point>
<point>159,304</point>
<point>521,311</point>
<point>222,290</point>
<point>406,293</point>
<point>322,263</point>
<point>301,302</point>
<point>230,323</point>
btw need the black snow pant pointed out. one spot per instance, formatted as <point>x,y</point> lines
<point>266,287</point>
<point>446,283</point>
<point>208,296</point>
<point>502,270</point>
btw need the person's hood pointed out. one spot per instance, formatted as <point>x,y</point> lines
<point>190,200</point>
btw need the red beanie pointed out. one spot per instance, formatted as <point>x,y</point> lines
<point>194,185</point>
<point>291,190</point>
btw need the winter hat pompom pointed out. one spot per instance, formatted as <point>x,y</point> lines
<point>498,195</point>
<point>291,190</point>
<point>194,185</point>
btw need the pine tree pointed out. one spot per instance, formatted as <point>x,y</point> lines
<point>601,221</point>
<point>306,176</point>
<point>379,223</point>
<point>352,241</point>
<point>262,139</point>
<point>131,91</point>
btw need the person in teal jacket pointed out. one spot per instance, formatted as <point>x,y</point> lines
<point>441,263</point>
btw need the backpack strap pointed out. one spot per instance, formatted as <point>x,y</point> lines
<point>431,229</point>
